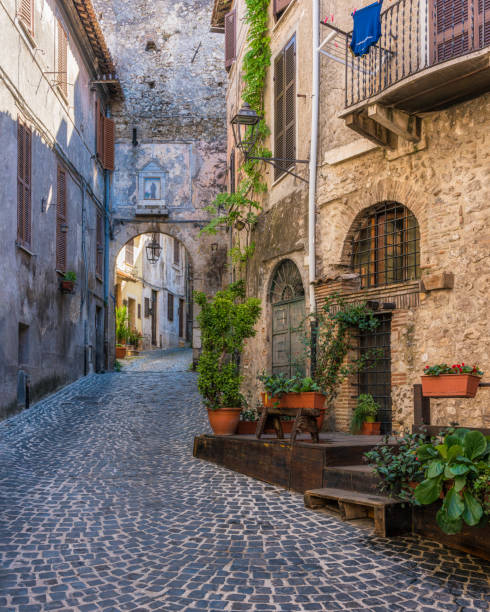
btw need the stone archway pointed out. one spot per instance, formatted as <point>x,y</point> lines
<point>207,256</point>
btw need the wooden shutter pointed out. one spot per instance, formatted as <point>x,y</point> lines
<point>99,130</point>
<point>147,307</point>
<point>230,39</point>
<point>99,245</point>
<point>285,107</point>
<point>279,6</point>
<point>62,67</point>
<point>483,23</point>
<point>170,307</point>
<point>232,172</point>
<point>61,224</point>
<point>25,12</point>
<point>108,146</point>
<point>176,252</point>
<point>24,144</point>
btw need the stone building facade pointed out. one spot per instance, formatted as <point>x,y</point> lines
<point>409,152</point>
<point>170,130</point>
<point>52,191</point>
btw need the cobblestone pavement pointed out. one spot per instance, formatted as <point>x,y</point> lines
<point>104,508</point>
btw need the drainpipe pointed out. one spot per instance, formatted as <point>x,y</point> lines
<point>107,199</point>
<point>313,150</point>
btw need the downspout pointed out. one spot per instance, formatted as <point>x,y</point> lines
<point>107,199</point>
<point>313,152</point>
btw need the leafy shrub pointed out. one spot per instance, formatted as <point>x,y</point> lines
<point>453,469</point>
<point>277,384</point>
<point>122,327</point>
<point>366,407</point>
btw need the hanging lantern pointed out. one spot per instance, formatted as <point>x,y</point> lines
<point>153,249</point>
<point>244,125</point>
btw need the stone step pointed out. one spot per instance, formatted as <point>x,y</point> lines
<point>360,478</point>
<point>391,517</point>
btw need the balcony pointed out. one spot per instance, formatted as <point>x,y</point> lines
<point>431,54</point>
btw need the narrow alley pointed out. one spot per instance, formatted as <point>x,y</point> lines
<point>104,508</point>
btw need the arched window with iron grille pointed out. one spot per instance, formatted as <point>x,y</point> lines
<point>386,247</point>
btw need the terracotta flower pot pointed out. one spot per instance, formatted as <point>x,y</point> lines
<point>120,352</point>
<point>450,385</point>
<point>310,399</point>
<point>370,429</point>
<point>67,286</point>
<point>224,421</point>
<point>268,401</point>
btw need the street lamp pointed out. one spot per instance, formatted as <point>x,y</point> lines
<point>153,249</point>
<point>244,125</point>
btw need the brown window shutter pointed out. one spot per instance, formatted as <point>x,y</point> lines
<point>99,256</point>
<point>285,107</point>
<point>109,136</point>
<point>147,307</point>
<point>24,143</point>
<point>232,172</point>
<point>25,13</point>
<point>62,67</point>
<point>61,225</point>
<point>230,39</point>
<point>280,5</point>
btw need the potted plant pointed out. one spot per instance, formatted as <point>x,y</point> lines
<point>457,472</point>
<point>459,380</point>
<point>363,417</point>
<point>122,331</point>
<point>276,387</point>
<point>226,321</point>
<point>68,281</point>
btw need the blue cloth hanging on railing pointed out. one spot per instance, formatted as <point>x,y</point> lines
<point>367,28</point>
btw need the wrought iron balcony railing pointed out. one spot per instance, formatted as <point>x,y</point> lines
<point>416,35</point>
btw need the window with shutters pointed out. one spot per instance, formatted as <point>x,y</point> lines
<point>170,307</point>
<point>279,7</point>
<point>25,13</point>
<point>230,39</point>
<point>61,221</point>
<point>105,137</point>
<point>24,144</point>
<point>232,172</point>
<point>147,307</point>
<point>62,60</point>
<point>285,108</point>
<point>99,246</point>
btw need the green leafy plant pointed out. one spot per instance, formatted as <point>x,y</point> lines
<point>240,210</point>
<point>117,366</point>
<point>333,325</point>
<point>277,384</point>
<point>249,414</point>
<point>443,368</point>
<point>452,469</point>
<point>305,385</point>
<point>226,321</point>
<point>70,276</point>
<point>122,327</point>
<point>134,337</point>
<point>397,465</point>
<point>366,408</point>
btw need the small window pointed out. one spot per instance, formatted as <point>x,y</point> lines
<point>386,248</point>
<point>24,156</point>
<point>147,307</point>
<point>285,108</point>
<point>279,7</point>
<point>62,65</point>
<point>170,307</point>
<point>176,252</point>
<point>23,355</point>
<point>139,311</point>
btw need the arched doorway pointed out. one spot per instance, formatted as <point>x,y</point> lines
<point>287,297</point>
<point>152,293</point>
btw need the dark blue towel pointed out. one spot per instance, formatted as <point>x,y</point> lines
<point>367,28</point>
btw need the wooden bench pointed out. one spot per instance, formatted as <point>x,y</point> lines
<point>304,420</point>
<point>391,516</point>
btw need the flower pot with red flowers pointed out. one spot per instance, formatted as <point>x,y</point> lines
<point>67,283</point>
<point>458,380</point>
<point>364,416</point>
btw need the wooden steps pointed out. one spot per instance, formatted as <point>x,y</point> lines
<point>360,478</point>
<point>389,515</point>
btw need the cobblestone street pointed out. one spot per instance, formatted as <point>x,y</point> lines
<point>104,508</point>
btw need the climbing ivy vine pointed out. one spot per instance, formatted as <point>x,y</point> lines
<point>240,210</point>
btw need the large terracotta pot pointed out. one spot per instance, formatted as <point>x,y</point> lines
<point>120,352</point>
<point>310,399</point>
<point>224,421</point>
<point>450,385</point>
<point>370,429</point>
